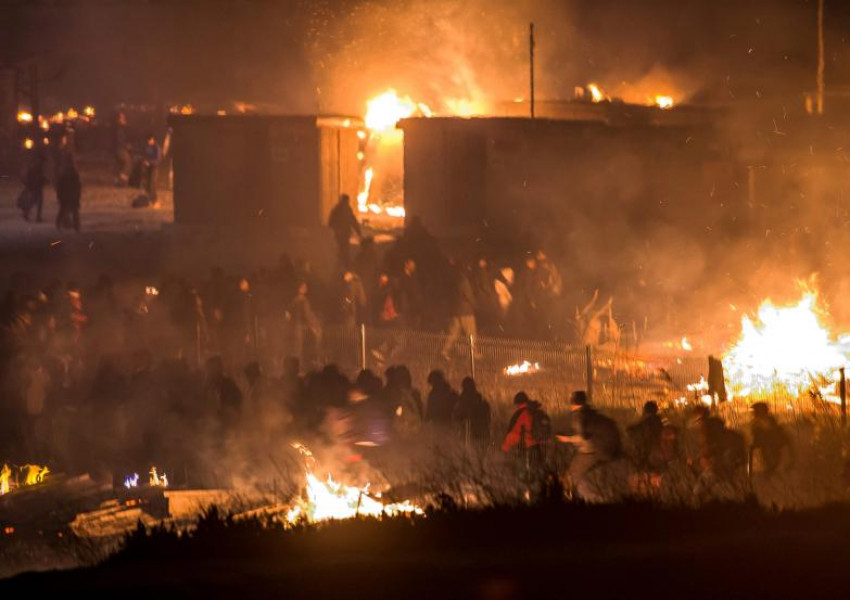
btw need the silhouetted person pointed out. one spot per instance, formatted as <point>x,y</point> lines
<point>442,400</point>
<point>150,161</point>
<point>353,300</point>
<point>769,439</point>
<point>366,266</point>
<point>34,180</point>
<point>222,395</point>
<point>403,401</point>
<point>68,191</point>
<point>486,301</point>
<point>303,320</point>
<point>597,442</point>
<point>387,316</point>
<point>410,297</point>
<point>472,414</point>
<point>645,438</point>
<point>529,432</point>
<point>343,224</point>
<point>721,453</point>
<point>463,314</point>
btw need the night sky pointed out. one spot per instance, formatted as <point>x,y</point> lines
<point>330,55</point>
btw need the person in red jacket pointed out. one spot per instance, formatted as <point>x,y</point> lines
<point>529,430</point>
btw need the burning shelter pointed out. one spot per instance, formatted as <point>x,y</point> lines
<point>262,174</point>
<point>505,176</point>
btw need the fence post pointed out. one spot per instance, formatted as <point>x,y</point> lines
<point>588,359</point>
<point>472,356</point>
<point>362,346</point>
<point>842,392</point>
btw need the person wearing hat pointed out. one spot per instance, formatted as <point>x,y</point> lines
<point>597,442</point>
<point>769,440</point>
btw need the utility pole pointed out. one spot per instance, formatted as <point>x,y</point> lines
<point>531,63</point>
<point>821,65</point>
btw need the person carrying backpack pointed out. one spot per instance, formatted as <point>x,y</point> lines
<point>597,442</point>
<point>529,431</point>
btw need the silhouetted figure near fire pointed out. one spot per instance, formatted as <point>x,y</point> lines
<point>303,321</point>
<point>222,396</point>
<point>411,300</point>
<point>403,401</point>
<point>770,442</point>
<point>721,456</point>
<point>645,438</point>
<point>387,317</point>
<point>442,400</point>
<point>353,302</point>
<point>598,445</point>
<point>472,415</point>
<point>486,301</point>
<point>68,191</point>
<point>32,196</point>
<point>150,161</point>
<point>463,315</point>
<point>529,433</point>
<point>343,224</point>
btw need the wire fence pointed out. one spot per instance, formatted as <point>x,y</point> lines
<point>546,370</point>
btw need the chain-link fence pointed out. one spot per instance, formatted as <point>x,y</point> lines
<point>546,370</point>
<point>503,366</point>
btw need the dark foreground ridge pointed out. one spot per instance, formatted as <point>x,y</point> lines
<point>552,550</point>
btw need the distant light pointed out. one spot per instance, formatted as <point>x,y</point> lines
<point>24,117</point>
<point>29,144</point>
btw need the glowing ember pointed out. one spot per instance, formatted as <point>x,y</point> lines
<point>5,479</point>
<point>523,368</point>
<point>784,347</point>
<point>664,102</point>
<point>331,500</point>
<point>131,481</point>
<point>158,480</point>
<point>387,109</point>
<point>24,117</point>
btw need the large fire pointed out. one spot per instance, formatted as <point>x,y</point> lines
<point>324,501</point>
<point>384,111</point>
<point>29,475</point>
<point>786,349</point>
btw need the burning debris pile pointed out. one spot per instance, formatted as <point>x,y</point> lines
<point>524,368</point>
<point>323,501</point>
<point>25,475</point>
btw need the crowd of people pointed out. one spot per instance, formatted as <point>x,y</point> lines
<point>51,158</point>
